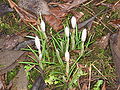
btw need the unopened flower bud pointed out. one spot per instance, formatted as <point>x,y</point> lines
<point>37,42</point>
<point>67,56</point>
<point>73,22</point>
<point>42,25</point>
<point>84,35</point>
<point>67,31</point>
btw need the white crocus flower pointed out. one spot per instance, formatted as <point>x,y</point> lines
<point>67,31</point>
<point>40,56</point>
<point>67,56</point>
<point>73,22</point>
<point>37,42</point>
<point>84,35</point>
<point>42,25</point>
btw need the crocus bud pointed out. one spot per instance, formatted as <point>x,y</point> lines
<point>67,56</point>
<point>42,25</point>
<point>40,56</point>
<point>67,31</point>
<point>73,22</point>
<point>84,35</point>
<point>37,42</point>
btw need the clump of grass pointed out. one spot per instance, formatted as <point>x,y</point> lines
<point>53,55</point>
<point>60,69</point>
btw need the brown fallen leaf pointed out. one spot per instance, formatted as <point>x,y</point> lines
<point>24,15</point>
<point>54,22</point>
<point>68,6</point>
<point>11,41</point>
<point>115,48</point>
<point>58,12</point>
<point>78,15</point>
<point>9,60</point>
<point>37,7</point>
<point>20,81</point>
<point>87,22</point>
<point>39,84</point>
<point>103,42</point>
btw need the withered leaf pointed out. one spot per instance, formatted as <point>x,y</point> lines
<point>115,48</point>
<point>103,42</point>
<point>54,22</point>
<point>24,15</point>
<point>11,41</point>
<point>8,60</point>
<point>68,6</point>
<point>20,81</point>
<point>78,15</point>
<point>39,84</point>
<point>58,12</point>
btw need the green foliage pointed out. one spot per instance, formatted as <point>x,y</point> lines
<point>98,84</point>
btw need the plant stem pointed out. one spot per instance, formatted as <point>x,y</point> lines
<point>73,39</point>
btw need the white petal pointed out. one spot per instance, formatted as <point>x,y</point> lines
<point>40,56</point>
<point>73,22</point>
<point>67,31</point>
<point>37,42</point>
<point>42,25</point>
<point>84,35</point>
<point>67,56</point>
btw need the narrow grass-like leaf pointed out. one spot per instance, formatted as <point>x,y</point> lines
<point>29,63</point>
<point>33,52</point>
<point>59,58</point>
<point>73,66</point>
<point>58,44</point>
<point>32,58</point>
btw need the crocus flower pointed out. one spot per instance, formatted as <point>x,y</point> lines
<point>67,31</point>
<point>37,42</point>
<point>84,35</point>
<point>73,22</point>
<point>42,25</point>
<point>67,56</point>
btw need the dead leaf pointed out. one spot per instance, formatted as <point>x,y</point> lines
<point>20,81</point>
<point>115,48</point>
<point>54,22</point>
<point>24,15</point>
<point>39,84</point>
<point>87,22</point>
<point>68,6</point>
<point>11,41</point>
<point>9,59</point>
<point>103,42</point>
<point>78,15</point>
<point>35,6</point>
<point>58,12</point>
